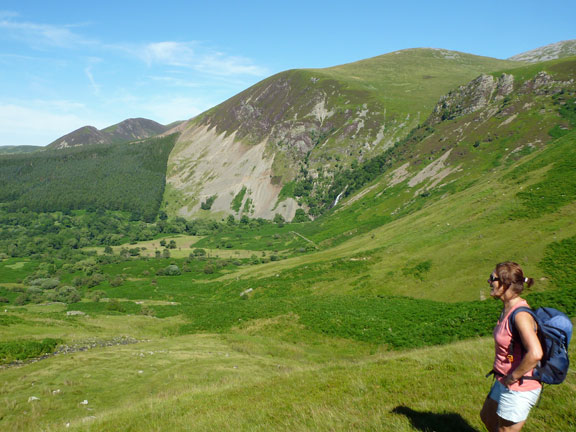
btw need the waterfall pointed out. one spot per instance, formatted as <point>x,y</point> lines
<point>338,197</point>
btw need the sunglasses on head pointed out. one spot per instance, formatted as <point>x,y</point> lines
<point>491,279</point>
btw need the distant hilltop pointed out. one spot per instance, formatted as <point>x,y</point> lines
<point>549,52</point>
<point>127,130</point>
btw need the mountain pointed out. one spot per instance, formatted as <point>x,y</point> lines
<point>314,140</point>
<point>127,130</point>
<point>297,129</point>
<point>549,52</point>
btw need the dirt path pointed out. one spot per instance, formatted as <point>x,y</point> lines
<point>308,240</point>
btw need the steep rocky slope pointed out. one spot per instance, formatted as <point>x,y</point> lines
<point>127,130</point>
<point>491,122</point>
<point>307,124</point>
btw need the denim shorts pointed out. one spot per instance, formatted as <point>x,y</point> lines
<point>513,405</point>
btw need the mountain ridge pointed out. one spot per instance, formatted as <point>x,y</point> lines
<point>552,51</point>
<point>127,130</point>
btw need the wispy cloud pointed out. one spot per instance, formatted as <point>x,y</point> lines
<point>42,34</point>
<point>221,64</point>
<point>175,82</point>
<point>88,71</point>
<point>170,53</point>
<point>194,55</point>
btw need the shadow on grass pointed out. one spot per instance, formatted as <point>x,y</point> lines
<point>431,422</point>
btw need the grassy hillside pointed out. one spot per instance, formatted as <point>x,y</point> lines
<point>411,81</point>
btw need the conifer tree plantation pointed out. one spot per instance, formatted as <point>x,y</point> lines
<point>309,255</point>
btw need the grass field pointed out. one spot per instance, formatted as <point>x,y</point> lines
<point>260,377</point>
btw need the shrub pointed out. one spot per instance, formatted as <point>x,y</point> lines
<point>45,283</point>
<point>97,295</point>
<point>34,291</point>
<point>24,349</point>
<point>67,294</point>
<point>117,281</point>
<point>115,306</point>
<point>301,216</point>
<point>172,270</point>
<point>147,310</point>
<point>207,205</point>
<point>21,300</point>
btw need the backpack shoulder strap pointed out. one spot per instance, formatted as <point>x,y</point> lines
<point>514,330</point>
<point>513,317</point>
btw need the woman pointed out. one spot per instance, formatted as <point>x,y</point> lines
<point>511,398</point>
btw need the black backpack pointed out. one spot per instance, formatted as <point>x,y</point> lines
<point>554,333</point>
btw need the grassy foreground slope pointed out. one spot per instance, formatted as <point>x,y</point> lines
<point>271,376</point>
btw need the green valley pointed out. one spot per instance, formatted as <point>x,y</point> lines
<point>145,286</point>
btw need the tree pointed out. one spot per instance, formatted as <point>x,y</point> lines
<point>300,216</point>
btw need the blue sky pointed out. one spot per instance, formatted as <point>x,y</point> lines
<point>66,64</point>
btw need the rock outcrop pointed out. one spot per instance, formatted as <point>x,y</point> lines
<point>485,89</point>
<point>472,97</point>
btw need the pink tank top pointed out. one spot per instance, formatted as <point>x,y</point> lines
<point>502,338</point>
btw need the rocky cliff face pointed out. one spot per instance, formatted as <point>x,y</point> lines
<point>472,97</point>
<point>487,89</point>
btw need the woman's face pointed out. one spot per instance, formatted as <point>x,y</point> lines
<point>496,287</point>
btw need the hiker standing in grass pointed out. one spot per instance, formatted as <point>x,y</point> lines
<point>511,397</point>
